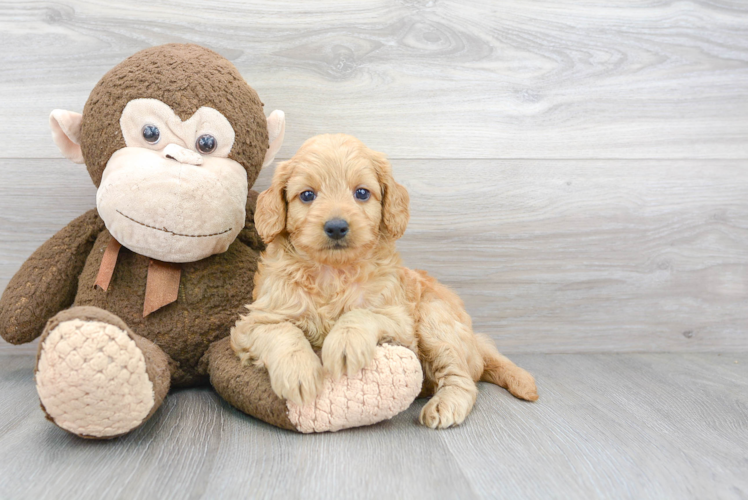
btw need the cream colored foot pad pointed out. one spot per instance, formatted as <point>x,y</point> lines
<point>92,379</point>
<point>387,386</point>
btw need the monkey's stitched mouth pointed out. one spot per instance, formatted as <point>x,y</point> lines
<point>172,232</point>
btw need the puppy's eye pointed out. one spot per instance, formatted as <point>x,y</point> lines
<point>307,196</point>
<point>206,144</point>
<point>362,194</point>
<point>151,134</point>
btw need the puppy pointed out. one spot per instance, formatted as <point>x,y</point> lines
<point>331,278</point>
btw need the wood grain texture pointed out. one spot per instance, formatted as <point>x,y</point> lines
<point>419,78</point>
<point>644,426</point>
<point>549,256</point>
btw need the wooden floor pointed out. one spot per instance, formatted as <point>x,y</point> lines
<point>637,426</point>
<point>578,172</point>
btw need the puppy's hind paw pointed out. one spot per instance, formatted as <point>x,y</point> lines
<point>449,407</point>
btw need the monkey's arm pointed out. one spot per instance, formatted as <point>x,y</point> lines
<point>249,235</point>
<point>48,280</point>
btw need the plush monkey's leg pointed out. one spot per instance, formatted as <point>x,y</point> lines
<point>95,378</point>
<point>384,388</point>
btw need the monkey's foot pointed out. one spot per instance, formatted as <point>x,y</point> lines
<point>384,388</point>
<point>92,377</point>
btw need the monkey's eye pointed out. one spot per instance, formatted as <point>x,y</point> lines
<point>151,134</point>
<point>307,196</point>
<point>206,143</point>
<point>362,194</point>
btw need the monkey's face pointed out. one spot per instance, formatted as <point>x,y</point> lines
<point>172,136</point>
<point>172,193</point>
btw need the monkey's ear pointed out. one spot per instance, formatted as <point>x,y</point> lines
<point>66,132</point>
<point>276,131</point>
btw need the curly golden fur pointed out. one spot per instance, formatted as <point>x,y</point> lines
<point>345,296</point>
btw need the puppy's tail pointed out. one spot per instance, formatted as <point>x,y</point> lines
<point>500,370</point>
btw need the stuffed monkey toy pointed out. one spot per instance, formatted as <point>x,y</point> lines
<point>139,295</point>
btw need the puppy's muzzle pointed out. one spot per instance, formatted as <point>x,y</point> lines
<point>336,229</point>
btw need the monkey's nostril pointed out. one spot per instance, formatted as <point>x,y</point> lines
<point>336,229</point>
<point>182,155</point>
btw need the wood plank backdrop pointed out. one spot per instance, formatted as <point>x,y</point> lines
<point>578,170</point>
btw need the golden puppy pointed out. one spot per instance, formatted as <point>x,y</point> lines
<point>331,278</point>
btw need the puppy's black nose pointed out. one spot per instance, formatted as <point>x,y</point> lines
<point>336,229</point>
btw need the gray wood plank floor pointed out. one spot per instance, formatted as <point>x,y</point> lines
<point>606,426</point>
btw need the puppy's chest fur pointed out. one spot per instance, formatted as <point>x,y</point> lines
<point>332,293</point>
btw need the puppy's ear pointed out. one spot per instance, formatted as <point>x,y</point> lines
<point>395,198</point>
<point>270,214</point>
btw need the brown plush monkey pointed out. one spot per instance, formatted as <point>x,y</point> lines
<point>173,137</point>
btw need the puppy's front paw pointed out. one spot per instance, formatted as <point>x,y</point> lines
<point>297,377</point>
<point>347,349</point>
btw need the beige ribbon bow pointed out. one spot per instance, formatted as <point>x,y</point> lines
<point>162,284</point>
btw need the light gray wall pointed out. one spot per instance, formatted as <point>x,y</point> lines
<point>578,170</point>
